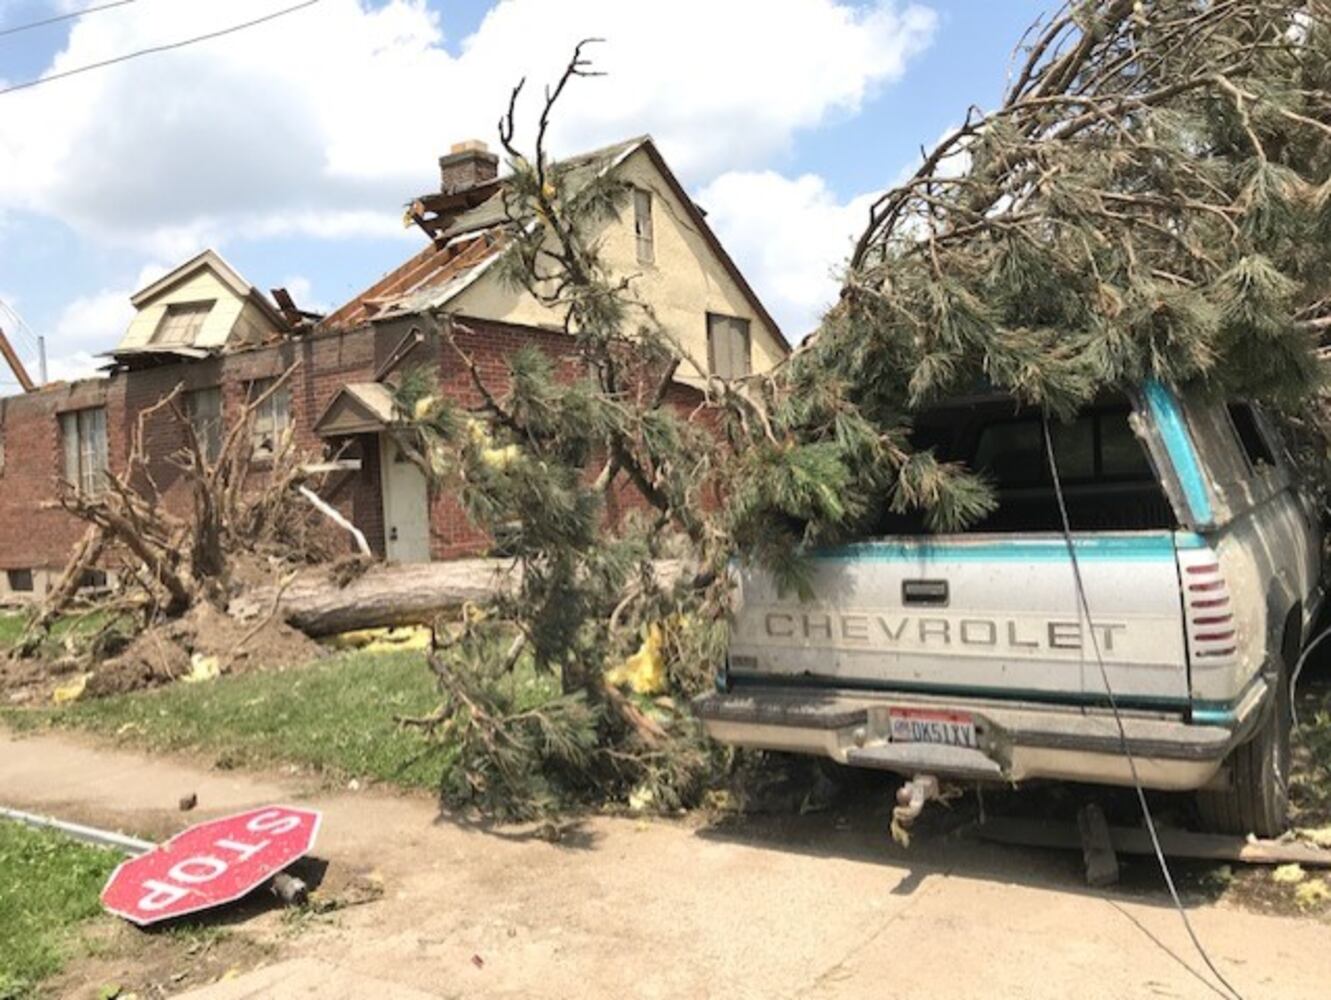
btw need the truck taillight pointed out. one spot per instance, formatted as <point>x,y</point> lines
<point>1212,631</point>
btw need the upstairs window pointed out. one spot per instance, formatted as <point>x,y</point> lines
<point>83,433</point>
<point>642,226</point>
<point>204,407</point>
<point>181,323</point>
<point>728,346</point>
<point>272,419</point>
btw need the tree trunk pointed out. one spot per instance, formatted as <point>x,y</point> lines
<point>411,594</point>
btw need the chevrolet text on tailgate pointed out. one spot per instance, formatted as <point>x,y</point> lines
<point>972,656</point>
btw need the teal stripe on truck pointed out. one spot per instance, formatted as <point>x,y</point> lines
<point>1143,547</point>
<point>1182,455</point>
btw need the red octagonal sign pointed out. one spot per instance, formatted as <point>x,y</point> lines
<point>210,864</point>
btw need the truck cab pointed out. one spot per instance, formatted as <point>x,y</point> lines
<point>1156,636</point>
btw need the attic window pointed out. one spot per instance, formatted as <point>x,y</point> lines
<point>642,226</point>
<point>182,322</point>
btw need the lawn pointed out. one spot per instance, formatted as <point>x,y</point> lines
<point>11,627</point>
<point>49,885</point>
<point>12,622</point>
<point>334,717</point>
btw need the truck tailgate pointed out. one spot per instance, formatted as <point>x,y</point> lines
<point>982,615</point>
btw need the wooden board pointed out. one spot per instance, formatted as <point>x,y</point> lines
<point>1175,843</point>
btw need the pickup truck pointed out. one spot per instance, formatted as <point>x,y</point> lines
<point>972,656</point>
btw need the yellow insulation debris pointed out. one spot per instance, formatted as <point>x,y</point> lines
<point>644,672</point>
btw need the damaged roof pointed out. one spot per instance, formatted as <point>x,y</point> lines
<point>467,230</point>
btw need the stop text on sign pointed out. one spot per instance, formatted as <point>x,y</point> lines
<point>210,864</point>
<point>200,868</point>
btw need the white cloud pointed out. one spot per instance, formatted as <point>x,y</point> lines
<point>87,326</point>
<point>324,122</point>
<point>789,236</point>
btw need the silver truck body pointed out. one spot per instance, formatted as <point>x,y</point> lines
<point>969,656</point>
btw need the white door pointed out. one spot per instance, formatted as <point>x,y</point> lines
<point>406,505</point>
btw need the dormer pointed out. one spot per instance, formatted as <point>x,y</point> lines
<point>200,308</point>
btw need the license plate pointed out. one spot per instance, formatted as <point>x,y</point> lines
<point>922,725</point>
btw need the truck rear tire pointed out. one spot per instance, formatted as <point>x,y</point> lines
<point>1257,799</point>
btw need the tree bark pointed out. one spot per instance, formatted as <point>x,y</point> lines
<point>409,594</point>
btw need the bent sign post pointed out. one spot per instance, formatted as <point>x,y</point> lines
<point>210,864</point>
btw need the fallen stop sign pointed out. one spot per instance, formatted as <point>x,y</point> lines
<point>210,864</point>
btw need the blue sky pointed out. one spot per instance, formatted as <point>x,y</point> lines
<point>292,147</point>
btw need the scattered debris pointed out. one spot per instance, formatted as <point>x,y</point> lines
<point>1288,874</point>
<point>1312,894</point>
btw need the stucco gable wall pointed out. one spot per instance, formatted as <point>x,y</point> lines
<point>686,282</point>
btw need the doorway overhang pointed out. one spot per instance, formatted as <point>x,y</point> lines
<point>358,408</point>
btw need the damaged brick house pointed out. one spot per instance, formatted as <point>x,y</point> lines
<point>205,328</point>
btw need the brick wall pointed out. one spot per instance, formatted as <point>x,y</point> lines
<point>34,536</point>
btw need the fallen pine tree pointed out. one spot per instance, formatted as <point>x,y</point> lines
<point>1151,199</point>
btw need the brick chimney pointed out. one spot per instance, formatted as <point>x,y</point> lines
<point>467,165</point>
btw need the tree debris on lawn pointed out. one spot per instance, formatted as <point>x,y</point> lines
<point>177,570</point>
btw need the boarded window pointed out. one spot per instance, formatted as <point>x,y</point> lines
<point>204,407</point>
<point>83,433</point>
<point>728,346</point>
<point>20,581</point>
<point>272,419</point>
<point>642,226</point>
<point>181,323</point>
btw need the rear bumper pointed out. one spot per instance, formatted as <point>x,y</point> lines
<point>1017,741</point>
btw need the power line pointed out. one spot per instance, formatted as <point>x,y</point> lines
<point>167,47</point>
<point>61,17</point>
<point>1084,608</point>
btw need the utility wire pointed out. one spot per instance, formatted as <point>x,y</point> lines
<point>166,47</point>
<point>61,17</point>
<point>1118,718</point>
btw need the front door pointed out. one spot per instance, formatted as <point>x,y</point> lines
<point>406,505</point>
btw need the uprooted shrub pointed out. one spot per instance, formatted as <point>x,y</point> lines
<point>169,563</point>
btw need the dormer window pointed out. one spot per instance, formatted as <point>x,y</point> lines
<point>181,322</point>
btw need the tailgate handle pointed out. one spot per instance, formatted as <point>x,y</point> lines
<point>928,592</point>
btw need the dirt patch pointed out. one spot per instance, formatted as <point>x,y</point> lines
<point>202,642</point>
<point>119,959</point>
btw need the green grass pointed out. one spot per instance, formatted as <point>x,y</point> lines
<point>48,886</point>
<point>11,627</point>
<point>80,625</point>
<point>332,717</point>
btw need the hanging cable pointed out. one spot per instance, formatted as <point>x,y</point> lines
<point>62,17</point>
<point>166,47</point>
<point>1085,607</point>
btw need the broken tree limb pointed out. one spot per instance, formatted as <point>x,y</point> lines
<point>334,515</point>
<point>389,595</point>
